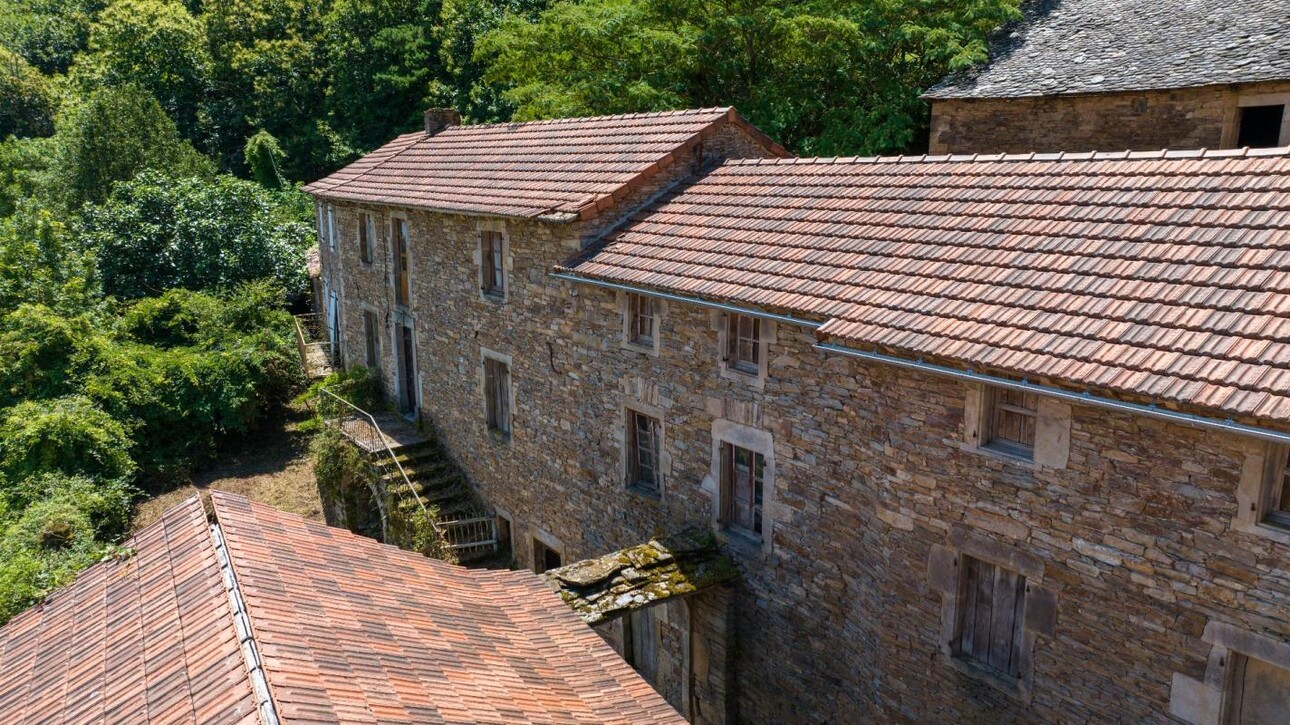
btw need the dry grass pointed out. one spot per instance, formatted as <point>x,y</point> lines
<point>272,467</point>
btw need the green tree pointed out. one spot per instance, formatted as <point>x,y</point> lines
<point>26,103</point>
<point>381,60</point>
<point>68,435</point>
<point>824,76</point>
<point>156,45</point>
<point>45,354</point>
<point>264,157</point>
<point>157,233</point>
<point>48,33</point>
<point>113,135</point>
<point>462,84</point>
<point>42,262</point>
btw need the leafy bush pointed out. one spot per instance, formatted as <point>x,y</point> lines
<point>156,233</point>
<point>26,104</point>
<point>41,262</point>
<point>52,527</point>
<point>44,354</point>
<point>69,435</point>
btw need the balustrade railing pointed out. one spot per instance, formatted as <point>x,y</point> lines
<point>317,353</point>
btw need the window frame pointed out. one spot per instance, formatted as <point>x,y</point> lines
<point>1232,122</point>
<point>754,527</point>
<point>371,339</point>
<point>633,453</point>
<point>366,231</point>
<point>762,335</point>
<point>759,441</point>
<point>969,609</point>
<point>498,394</point>
<point>492,264</point>
<point>1275,509</point>
<point>401,259</point>
<point>996,408</point>
<point>331,227</point>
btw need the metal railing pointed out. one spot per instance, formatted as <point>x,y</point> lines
<point>317,353</point>
<point>471,533</point>
<point>372,440</point>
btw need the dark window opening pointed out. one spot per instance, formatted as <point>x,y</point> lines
<point>1260,126</point>
<point>640,643</point>
<point>544,557</point>
<point>402,286</point>
<point>366,231</point>
<point>991,617</point>
<point>504,535</point>
<point>372,340</point>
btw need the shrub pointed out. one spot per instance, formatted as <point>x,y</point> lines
<point>69,435</point>
<point>42,353</point>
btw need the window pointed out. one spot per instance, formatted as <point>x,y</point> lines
<point>1012,417</point>
<point>545,558</point>
<point>743,343</point>
<point>1259,692</point>
<point>1277,487</point>
<point>1260,126</point>
<point>504,535</point>
<point>366,235</point>
<point>372,340</point>
<point>497,395</point>
<point>331,227</point>
<point>743,476</point>
<point>640,320</point>
<point>643,433</point>
<point>990,619</point>
<point>640,643</point>
<point>402,286</point>
<point>492,261</point>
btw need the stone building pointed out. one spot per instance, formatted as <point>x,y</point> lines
<point>1001,439</point>
<point>1084,75</point>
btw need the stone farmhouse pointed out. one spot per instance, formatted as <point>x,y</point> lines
<point>984,437</point>
<point>238,613</point>
<point>1082,75</point>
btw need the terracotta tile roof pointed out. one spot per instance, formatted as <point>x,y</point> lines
<point>571,166</point>
<point>354,631</point>
<point>347,631</point>
<point>141,639</point>
<point>1164,275</point>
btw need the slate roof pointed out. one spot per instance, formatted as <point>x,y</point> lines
<point>612,585</point>
<point>1163,275</point>
<point>569,166</point>
<point>1093,46</point>
<point>347,630</point>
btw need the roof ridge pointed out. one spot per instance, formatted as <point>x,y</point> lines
<point>580,119</point>
<point>1127,155</point>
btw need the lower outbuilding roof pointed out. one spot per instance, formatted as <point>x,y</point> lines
<point>266,617</point>
<point>1162,275</point>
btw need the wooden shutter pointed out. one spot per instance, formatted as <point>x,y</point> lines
<point>490,392</point>
<point>991,616</point>
<point>503,397</point>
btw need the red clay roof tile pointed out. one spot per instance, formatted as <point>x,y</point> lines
<point>572,166</point>
<point>1166,274</point>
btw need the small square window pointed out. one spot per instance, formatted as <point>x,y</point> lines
<point>743,343</point>
<point>491,257</point>
<point>544,557</point>
<point>743,482</point>
<point>497,395</point>
<point>366,233</point>
<point>640,320</point>
<point>988,631</point>
<point>643,451</point>
<point>1011,418</point>
<point>1260,126</point>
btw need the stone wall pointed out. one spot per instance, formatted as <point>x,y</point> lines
<point>1147,121</point>
<point>838,618</point>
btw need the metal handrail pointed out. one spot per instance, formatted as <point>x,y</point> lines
<point>380,437</point>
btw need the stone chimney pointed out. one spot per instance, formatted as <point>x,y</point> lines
<point>437,119</point>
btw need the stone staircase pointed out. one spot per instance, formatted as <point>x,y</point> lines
<point>467,526</point>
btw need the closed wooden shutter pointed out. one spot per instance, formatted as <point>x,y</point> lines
<point>990,620</point>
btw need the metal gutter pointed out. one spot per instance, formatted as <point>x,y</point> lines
<point>245,636</point>
<point>1148,411</point>
<point>810,324</point>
